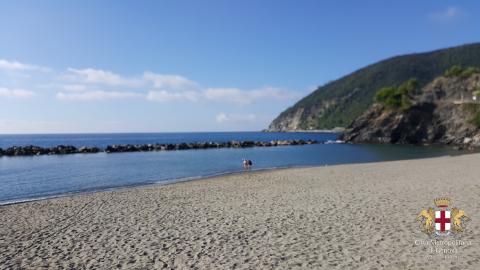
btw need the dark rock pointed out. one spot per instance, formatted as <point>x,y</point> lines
<point>110,149</point>
<point>435,117</point>
<point>283,142</point>
<point>235,144</point>
<point>182,146</point>
<point>144,148</point>
<point>85,149</point>
<point>247,144</point>
<point>63,149</point>
<point>31,150</point>
<point>132,148</point>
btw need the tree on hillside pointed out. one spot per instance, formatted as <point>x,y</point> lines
<point>397,97</point>
<point>458,71</point>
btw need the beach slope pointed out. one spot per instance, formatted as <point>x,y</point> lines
<point>360,216</point>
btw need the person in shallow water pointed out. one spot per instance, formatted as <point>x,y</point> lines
<point>247,164</point>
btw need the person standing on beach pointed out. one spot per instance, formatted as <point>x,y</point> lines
<point>247,164</point>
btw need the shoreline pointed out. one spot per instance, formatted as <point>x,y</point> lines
<point>168,182</point>
<point>346,216</point>
<point>163,183</point>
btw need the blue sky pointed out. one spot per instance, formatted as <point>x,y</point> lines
<point>157,66</point>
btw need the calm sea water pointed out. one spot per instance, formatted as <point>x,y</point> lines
<point>27,178</point>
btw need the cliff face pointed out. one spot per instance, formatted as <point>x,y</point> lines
<point>437,116</point>
<point>291,122</point>
<point>339,102</point>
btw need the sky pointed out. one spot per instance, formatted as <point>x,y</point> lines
<point>168,66</point>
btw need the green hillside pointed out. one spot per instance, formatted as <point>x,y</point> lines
<point>339,102</point>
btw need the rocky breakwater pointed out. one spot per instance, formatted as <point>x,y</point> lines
<point>32,150</point>
<point>201,145</point>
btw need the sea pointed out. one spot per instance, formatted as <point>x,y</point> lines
<point>38,177</point>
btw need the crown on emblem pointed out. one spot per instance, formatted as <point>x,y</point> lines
<point>442,202</point>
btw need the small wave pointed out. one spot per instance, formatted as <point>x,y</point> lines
<point>334,142</point>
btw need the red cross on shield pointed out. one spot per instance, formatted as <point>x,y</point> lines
<point>442,222</point>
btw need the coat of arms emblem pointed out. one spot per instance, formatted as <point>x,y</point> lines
<point>442,220</point>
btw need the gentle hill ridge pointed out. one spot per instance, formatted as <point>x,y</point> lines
<point>339,102</point>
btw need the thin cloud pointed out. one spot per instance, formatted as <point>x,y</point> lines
<point>164,96</point>
<point>96,95</point>
<point>74,87</point>
<point>234,95</point>
<point>229,95</point>
<point>98,76</point>
<point>177,88</point>
<point>18,66</point>
<point>169,81</point>
<point>15,93</point>
<point>244,97</point>
<point>105,77</point>
<point>92,84</point>
<point>222,118</point>
<point>447,15</point>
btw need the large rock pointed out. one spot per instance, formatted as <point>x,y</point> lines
<point>86,149</point>
<point>435,117</point>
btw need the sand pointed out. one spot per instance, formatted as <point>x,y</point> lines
<point>359,216</point>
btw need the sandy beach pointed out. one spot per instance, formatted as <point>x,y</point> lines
<point>360,216</point>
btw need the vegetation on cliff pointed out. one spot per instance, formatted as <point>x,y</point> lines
<point>474,109</point>
<point>445,111</point>
<point>397,97</point>
<point>338,103</point>
<point>458,71</point>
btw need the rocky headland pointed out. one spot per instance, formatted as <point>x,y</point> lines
<point>339,102</point>
<point>445,111</point>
